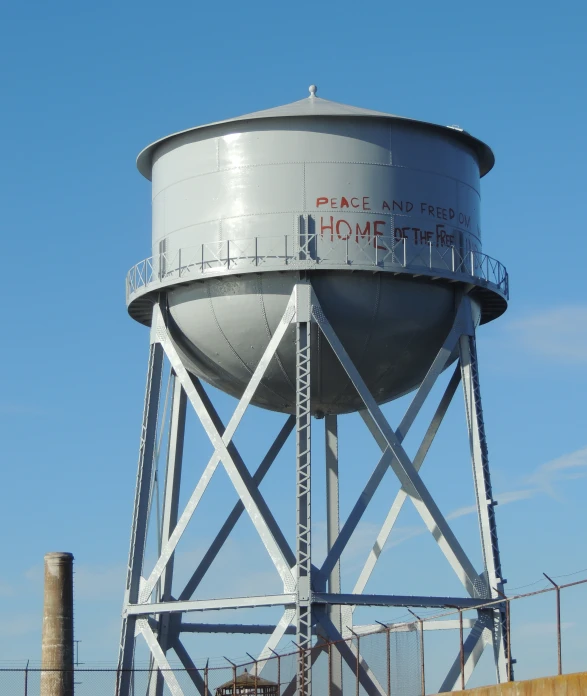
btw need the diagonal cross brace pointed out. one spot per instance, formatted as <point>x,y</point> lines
<point>190,668</point>
<point>401,496</point>
<point>473,647</point>
<point>274,639</point>
<point>246,476</point>
<point>159,657</point>
<point>435,370</point>
<point>381,469</point>
<point>349,654</point>
<point>401,463</point>
<point>236,513</point>
<point>252,500</point>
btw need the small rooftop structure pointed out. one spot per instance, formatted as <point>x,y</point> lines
<point>247,683</point>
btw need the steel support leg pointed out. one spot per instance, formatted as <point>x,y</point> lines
<point>140,516</point>
<point>332,532</point>
<point>303,471</point>
<point>170,513</point>
<point>483,492</point>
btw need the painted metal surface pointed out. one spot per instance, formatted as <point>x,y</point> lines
<point>243,209</point>
<point>391,327</point>
<point>316,259</point>
<point>317,107</point>
<point>304,601</point>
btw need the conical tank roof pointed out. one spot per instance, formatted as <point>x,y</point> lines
<point>316,107</point>
<point>313,106</point>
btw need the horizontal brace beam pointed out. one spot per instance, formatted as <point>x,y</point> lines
<point>267,629</point>
<point>366,600</point>
<point>447,625</point>
<point>211,604</point>
<point>264,629</point>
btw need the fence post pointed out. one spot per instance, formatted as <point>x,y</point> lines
<point>422,663</point>
<point>358,660</point>
<point>388,649</point>
<point>330,669</point>
<point>233,674</point>
<point>256,672</point>
<point>26,679</point>
<point>558,623</point>
<point>278,671</point>
<point>462,649</point>
<point>507,633</point>
<point>509,637</point>
<point>388,640</point>
<point>206,679</point>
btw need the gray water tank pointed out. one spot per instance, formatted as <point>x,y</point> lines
<point>380,212</point>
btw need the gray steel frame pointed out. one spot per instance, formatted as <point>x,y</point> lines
<point>311,598</point>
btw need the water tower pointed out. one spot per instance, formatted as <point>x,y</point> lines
<point>314,259</point>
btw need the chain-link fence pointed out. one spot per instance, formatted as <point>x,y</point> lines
<point>389,660</point>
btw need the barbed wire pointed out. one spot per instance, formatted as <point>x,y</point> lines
<point>536,582</point>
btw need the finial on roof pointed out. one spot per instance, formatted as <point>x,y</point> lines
<point>313,89</point>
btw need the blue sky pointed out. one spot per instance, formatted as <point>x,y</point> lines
<point>85,86</point>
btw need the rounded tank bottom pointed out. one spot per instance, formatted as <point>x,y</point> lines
<point>391,327</point>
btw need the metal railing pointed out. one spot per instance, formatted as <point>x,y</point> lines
<point>392,655</point>
<point>294,252</point>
